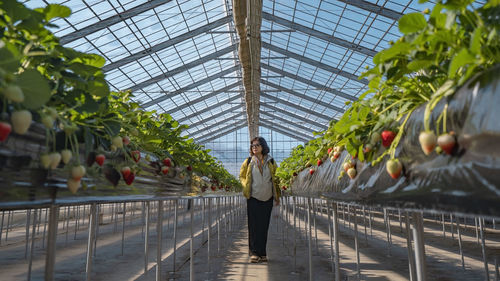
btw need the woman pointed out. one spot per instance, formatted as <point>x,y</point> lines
<point>257,175</point>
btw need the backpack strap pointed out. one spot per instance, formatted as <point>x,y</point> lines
<point>248,160</point>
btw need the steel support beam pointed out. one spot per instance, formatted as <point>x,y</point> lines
<point>223,131</point>
<point>210,108</point>
<point>301,108</point>
<point>370,7</point>
<point>314,123</point>
<point>213,117</point>
<point>112,20</point>
<point>274,117</point>
<point>308,82</point>
<point>183,68</point>
<point>189,87</point>
<point>226,120</point>
<point>168,43</point>
<point>315,63</point>
<point>204,97</point>
<point>284,131</point>
<point>318,34</point>
<point>302,96</point>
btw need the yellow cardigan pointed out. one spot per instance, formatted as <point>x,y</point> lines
<point>246,178</point>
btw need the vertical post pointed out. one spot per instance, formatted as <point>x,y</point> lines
<point>418,236</point>
<point>309,237</point>
<point>90,242</point>
<point>209,226</point>
<point>67,223</point>
<point>51,243</point>
<point>483,249</point>
<point>460,242</point>
<point>477,230</point>
<point>451,227</point>
<point>123,225</point>
<point>218,225</point>
<point>330,236</point>
<point>400,222</point>
<point>146,237</point>
<point>294,236</point>
<point>191,246</point>
<point>159,236</point>
<point>444,231</point>
<point>27,239</point>
<point>44,227</point>
<point>30,262</point>
<point>1,227</point>
<point>358,269</point>
<point>336,239</point>
<point>411,258</point>
<point>371,218</point>
<point>387,231</point>
<point>364,224</point>
<point>176,206</point>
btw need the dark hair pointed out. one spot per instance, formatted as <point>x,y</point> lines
<point>263,144</point>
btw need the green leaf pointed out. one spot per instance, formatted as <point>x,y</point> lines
<point>419,64</point>
<point>35,88</point>
<point>16,11</point>
<point>395,50</point>
<point>90,60</point>
<point>459,60</point>
<point>411,23</point>
<point>361,155</point>
<point>56,11</point>
<point>98,87</point>
<point>8,57</point>
<point>475,42</point>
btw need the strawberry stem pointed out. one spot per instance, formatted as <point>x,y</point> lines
<point>445,110</point>
<point>396,140</point>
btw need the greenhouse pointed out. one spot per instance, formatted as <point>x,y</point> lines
<point>249,140</point>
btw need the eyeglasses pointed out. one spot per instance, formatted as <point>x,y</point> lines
<point>255,145</point>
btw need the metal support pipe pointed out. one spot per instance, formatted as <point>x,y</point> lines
<point>336,240</point>
<point>191,245</point>
<point>387,232</point>
<point>123,224</point>
<point>358,268</point>
<point>444,231</point>
<point>218,225</point>
<point>159,236</point>
<point>27,233</point>
<point>294,236</point>
<point>146,237</point>
<point>330,236</point>
<point>90,242</point>
<point>364,224</point>
<point>451,227</point>
<point>44,227</point>
<point>209,228</point>
<point>8,225</point>
<point>460,242</point>
<point>30,262</point>
<point>67,224</point>
<point>51,243</point>
<point>477,230</point>
<point>1,227</point>
<point>400,222</point>
<point>315,208</point>
<point>483,249</point>
<point>371,219</point>
<point>309,237</point>
<point>411,258</point>
<point>418,237</point>
<point>176,206</point>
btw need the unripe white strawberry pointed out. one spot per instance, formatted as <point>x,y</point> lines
<point>73,185</point>
<point>427,141</point>
<point>45,160</point>
<point>375,138</point>
<point>48,121</point>
<point>394,167</point>
<point>14,93</point>
<point>77,172</point>
<point>52,112</point>
<point>55,159</point>
<point>113,147</point>
<point>351,173</point>
<point>117,141</point>
<point>21,121</point>
<point>66,155</point>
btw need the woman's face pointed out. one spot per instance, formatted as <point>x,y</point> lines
<point>256,147</point>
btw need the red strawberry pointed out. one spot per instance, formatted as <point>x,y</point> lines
<point>5,130</point>
<point>130,179</point>
<point>294,174</point>
<point>320,162</point>
<point>189,168</point>
<point>283,187</point>
<point>311,171</point>
<point>99,159</point>
<point>125,172</point>
<point>213,188</point>
<point>336,154</point>
<point>351,173</point>
<point>387,138</point>
<point>330,150</point>
<point>167,162</point>
<point>126,140</point>
<point>427,141</point>
<point>393,167</point>
<point>447,142</point>
<point>164,170</point>
<point>136,155</point>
